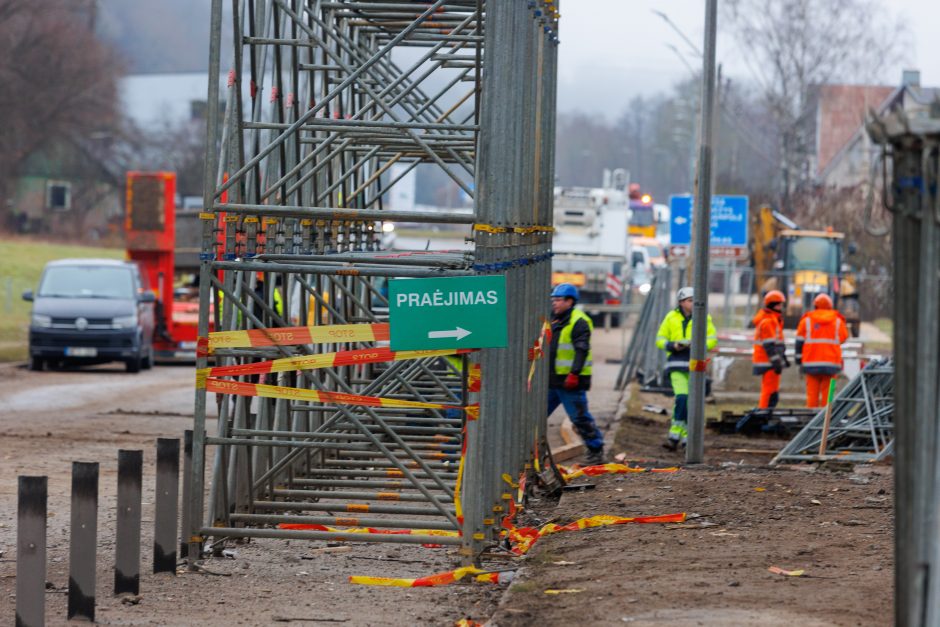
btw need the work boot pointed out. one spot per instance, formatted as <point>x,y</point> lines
<point>671,444</point>
<point>594,457</point>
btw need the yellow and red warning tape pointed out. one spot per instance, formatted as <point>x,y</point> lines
<point>353,528</point>
<point>438,579</point>
<point>522,538</point>
<point>291,336</point>
<point>607,469</point>
<point>239,388</point>
<point>334,360</point>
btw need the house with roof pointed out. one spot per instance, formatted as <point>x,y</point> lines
<point>839,152</point>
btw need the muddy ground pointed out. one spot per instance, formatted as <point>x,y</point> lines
<point>836,525</point>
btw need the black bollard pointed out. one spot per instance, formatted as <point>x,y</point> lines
<point>187,492</point>
<point>31,552</point>
<point>127,557</point>
<point>165,505</point>
<point>83,540</point>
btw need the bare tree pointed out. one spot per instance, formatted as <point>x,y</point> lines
<point>59,82</point>
<point>175,146</point>
<point>792,45</point>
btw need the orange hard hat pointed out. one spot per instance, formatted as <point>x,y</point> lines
<point>822,301</point>
<point>773,297</point>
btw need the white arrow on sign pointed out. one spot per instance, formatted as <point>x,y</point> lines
<point>458,333</point>
<point>680,220</point>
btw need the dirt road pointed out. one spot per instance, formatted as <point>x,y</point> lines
<point>50,419</point>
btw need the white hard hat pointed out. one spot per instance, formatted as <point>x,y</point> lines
<point>683,293</point>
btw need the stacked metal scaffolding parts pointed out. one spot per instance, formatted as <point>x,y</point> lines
<point>861,421</point>
<point>324,433</point>
<point>910,152</point>
<point>643,361</point>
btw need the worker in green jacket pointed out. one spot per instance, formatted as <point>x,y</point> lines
<point>675,337</point>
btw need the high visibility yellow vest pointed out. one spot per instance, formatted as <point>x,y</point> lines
<point>278,304</point>
<point>564,358</point>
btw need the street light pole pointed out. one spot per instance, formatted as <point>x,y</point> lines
<point>701,223</point>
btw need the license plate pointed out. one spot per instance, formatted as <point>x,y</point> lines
<point>187,346</point>
<point>81,351</point>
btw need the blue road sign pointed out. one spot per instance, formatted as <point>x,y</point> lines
<point>728,221</point>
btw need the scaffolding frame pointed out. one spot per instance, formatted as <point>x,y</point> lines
<point>323,99</point>
<point>909,172</point>
<point>861,422</point>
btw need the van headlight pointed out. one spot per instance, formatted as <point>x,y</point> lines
<point>41,321</point>
<point>124,322</point>
<point>645,289</point>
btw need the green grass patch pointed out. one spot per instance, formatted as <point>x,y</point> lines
<point>21,264</point>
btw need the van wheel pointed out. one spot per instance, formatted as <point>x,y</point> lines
<point>36,364</point>
<point>133,365</point>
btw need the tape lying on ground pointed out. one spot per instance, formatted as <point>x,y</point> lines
<point>438,579</point>
<point>239,388</point>
<point>522,538</point>
<point>607,469</point>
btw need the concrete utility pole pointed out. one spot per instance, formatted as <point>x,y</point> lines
<point>701,222</point>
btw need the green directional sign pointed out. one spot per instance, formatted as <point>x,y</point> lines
<point>456,312</point>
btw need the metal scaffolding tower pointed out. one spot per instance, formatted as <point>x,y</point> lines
<point>324,433</point>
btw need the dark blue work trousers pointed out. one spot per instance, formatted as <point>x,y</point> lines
<point>576,406</point>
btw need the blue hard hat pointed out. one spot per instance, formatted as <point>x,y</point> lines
<point>565,290</point>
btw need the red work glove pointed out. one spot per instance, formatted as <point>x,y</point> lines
<point>571,381</point>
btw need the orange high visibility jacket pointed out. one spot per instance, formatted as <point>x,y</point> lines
<point>768,340</point>
<point>819,338</point>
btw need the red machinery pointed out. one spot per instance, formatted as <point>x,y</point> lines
<point>150,228</point>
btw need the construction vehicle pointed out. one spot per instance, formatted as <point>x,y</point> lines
<point>590,244</point>
<point>803,264</point>
<point>643,221</point>
<point>154,229</point>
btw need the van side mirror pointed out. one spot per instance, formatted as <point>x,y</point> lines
<point>28,295</point>
<point>147,297</point>
<point>772,245</point>
<point>852,248</point>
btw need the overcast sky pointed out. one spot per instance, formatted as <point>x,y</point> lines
<point>612,50</point>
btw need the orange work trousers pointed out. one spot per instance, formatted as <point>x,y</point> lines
<point>769,385</point>
<point>817,389</point>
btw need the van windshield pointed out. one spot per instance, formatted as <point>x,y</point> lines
<point>87,282</point>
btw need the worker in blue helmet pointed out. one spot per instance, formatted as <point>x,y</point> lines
<point>569,365</point>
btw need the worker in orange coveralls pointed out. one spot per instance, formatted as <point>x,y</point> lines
<point>819,338</point>
<point>769,357</point>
